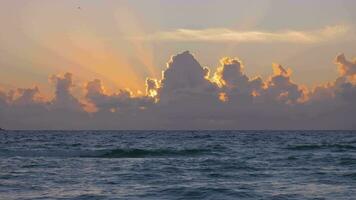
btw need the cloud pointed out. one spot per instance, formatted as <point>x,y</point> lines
<point>117,102</point>
<point>184,78</point>
<point>190,96</point>
<point>64,98</point>
<point>280,87</point>
<point>229,35</point>
<point>347,91</point>
<point>151,87</point>
<point>234,84</point>
<point>343,83</point>
<point>346,68</point>
<point>27,96</point>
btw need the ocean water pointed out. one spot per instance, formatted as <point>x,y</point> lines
<point>178,165</point>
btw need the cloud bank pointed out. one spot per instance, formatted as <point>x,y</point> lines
<point>190,96</point>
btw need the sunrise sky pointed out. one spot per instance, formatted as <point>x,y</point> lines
<point>122,43</point>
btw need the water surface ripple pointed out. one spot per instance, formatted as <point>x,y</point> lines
<point>177,165</point>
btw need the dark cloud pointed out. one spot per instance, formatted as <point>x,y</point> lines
<point>185,80</point>
<point>26,96</point>
<point>64,99</point>
<point>346,68</point>
<point>189,96</point>
<point>122,101</point>
<point>279,87</point>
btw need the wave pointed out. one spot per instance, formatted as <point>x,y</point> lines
<point>140,153</point>
<point>321,146</point>
<point>350,175</point>
<point>347,161</point>
<point>106,153</point>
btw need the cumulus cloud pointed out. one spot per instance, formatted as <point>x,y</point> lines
<point>234,84</point>
<point>346,68</point>
<point>184,79</point>
<point>280,87</point>
<point>190,96</point>
<point>346,80</point>
<point>64,98</point>
<point>229,35</point>
<point>26,96</point>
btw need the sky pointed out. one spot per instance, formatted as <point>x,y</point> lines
<point>109,60</point>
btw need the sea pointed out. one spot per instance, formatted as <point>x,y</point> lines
<point>275,165</point>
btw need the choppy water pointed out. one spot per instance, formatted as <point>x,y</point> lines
<point>178,165</point>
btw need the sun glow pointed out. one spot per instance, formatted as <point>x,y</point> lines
<point>86,50</point>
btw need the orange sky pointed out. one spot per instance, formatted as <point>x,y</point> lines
<point>123,42</point>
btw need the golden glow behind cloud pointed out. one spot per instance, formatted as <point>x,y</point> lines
<point>85,48</point>
<point>123,42</point>
<point>190,98</point>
